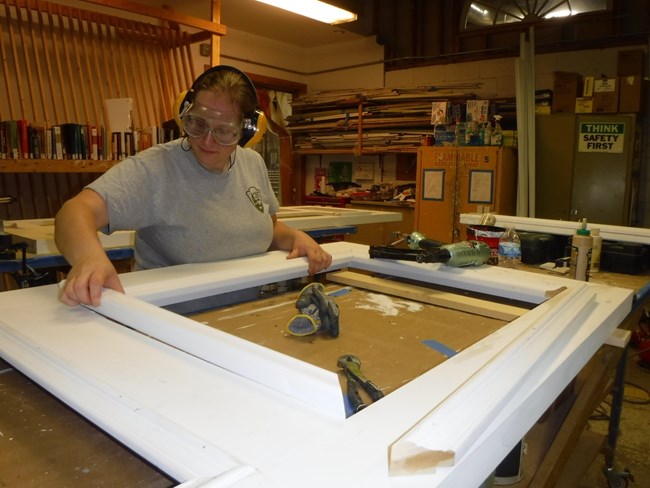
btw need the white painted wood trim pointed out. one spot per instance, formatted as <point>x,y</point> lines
<point>167,445</point>
<point>316,387</point>
<point>563,227</point>
<point>450,430</point>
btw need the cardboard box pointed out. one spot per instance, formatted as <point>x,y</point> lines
<point>630,98</point>
<point>588,89</point>
<point>630,62</point>
<point>566,88</point>
<point>477,111</point>
<point>605,95</point>
<point>584,105</point>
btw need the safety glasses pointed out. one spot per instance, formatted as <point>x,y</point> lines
<point>198,121</point>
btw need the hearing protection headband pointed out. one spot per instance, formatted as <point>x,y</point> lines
<point>250,119</point>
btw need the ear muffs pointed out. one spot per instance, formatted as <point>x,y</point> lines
<point>261,126</point>
<point>176,108</point>
<point>251,120</point>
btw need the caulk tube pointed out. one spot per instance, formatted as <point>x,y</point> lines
<point>581,245</point>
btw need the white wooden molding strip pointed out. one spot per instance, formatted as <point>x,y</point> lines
<point>164,286</point>
<point>427,295</point>
<point>169,446</point>
<point>520,285</point>
<point>315,217</point>
<point>302,381</point>
<point>450,430</point>
<point>525,405</point>
<point>563,227</point>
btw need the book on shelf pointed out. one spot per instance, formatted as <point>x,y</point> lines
<point>3,140</point>
<point>72,141</point>
<point>23,138</point>
<point>57,142</point>
<point>94,142</point>
<point>37,143</point>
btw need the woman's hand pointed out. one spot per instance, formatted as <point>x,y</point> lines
<point>317,257</point>
<point>300,244</point>
<point>86,280</point>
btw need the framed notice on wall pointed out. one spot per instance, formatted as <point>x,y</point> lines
<point>364,171</point>
<point>481,185</point>
<point>433,184</point>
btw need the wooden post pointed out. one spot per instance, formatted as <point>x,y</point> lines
<point>5,69</point>
<point>90,79</point>
<point>37,63</point>
<point>14,50</point>
<point>215,42</point>
<point>140,68</point>
<point>66,58</point>
<point>76,40</point>
<point>50,76</point>
<point>59,68</point>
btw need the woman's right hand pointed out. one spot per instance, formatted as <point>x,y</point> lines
<point>86,280</point>
<point>75,233</point>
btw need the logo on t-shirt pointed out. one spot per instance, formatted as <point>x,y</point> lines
<point>255,196</point>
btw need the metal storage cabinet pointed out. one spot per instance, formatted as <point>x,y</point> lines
<point>583,167</point>
<point>466,179</point>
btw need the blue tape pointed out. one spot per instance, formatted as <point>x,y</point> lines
<point>340,292</point>
<point>440,347</point>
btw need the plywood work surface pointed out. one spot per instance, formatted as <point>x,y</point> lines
<point>395,339</point>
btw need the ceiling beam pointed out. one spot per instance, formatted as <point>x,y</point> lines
<point>159,13</point>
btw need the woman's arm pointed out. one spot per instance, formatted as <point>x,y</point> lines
<point>75,233</point>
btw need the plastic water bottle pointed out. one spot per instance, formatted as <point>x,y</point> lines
<point>509,249</point>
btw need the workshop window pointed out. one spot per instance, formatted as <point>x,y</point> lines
<point>485,13</point>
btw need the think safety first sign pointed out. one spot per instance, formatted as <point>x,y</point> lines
<point>601,137</point>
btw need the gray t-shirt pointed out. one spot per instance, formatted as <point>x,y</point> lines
<point>183,213</point>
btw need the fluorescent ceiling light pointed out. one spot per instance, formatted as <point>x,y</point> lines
<point>314,9</point>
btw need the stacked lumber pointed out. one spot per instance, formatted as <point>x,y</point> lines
<point>370,119</point>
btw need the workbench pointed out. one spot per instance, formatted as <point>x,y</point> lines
<point>323,224</point>
<point>204,405</point>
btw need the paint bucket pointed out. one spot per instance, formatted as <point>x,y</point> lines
<point>488,234</point>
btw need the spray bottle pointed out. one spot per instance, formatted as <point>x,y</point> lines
<point>497,132</point>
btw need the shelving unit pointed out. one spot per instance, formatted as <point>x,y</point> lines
<point>61,62</point>
<point>369,122</point>
<point>55,166</point>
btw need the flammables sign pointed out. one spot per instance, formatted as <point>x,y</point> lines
<point>601,137</point>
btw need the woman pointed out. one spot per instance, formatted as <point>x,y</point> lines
<point>201,198</point>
